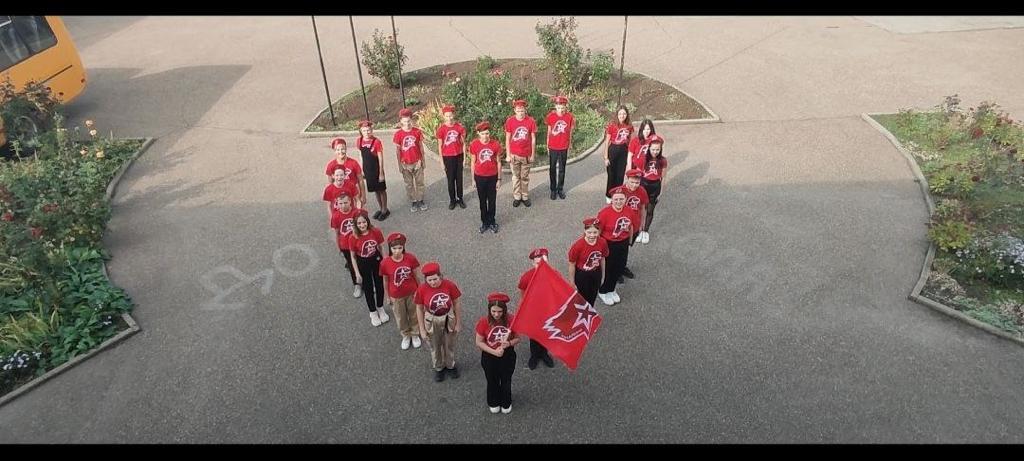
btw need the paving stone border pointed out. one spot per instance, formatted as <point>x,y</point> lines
<point>133,327</point>
<point>915,294</point>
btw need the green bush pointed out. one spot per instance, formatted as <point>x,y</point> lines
<point>563,52</point>
<point>950,235</point>
<point>601,67</point>
<point>952,181</point>
<point>383,58</point>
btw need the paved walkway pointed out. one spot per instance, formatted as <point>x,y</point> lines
<point>770,305</point>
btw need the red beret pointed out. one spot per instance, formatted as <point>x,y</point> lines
<point>336,141</point>
<point>561,100</point>
<point>518,102</point>
<point>591,222</point>
<point>396,237</point>
<point>498,296</point>
<point>405,113</point>
<point>365,123</point>
<point>617,190</point>
<point>448,108</point>
<point>431,268</point>
<point>634,173</point>
<point>362,212</point>
<point>483,126</point>
<point>656,139</point>
<point>538,252</point>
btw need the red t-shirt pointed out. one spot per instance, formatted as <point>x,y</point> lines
<point>620,134</point>
<point>559,127</point>
<point>373,144</point>
<point>409,145</point>
<point>588,257</point>
<point>616,226</point>
<point>451,138</point>
<point>494,334</point>
<point>399,275</point>
<point>636,199</point>
<point>518,134</point>
<point>437,301</point>
<point>351,167</point>
<point>343,223</point>
<point>524,280</point>
<point>331,192</point>
<point>366,246</point>
<point>638,148</point>
<point>654,168</point>
<point>485,157</point>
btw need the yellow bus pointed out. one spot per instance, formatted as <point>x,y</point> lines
<point>40,49</point>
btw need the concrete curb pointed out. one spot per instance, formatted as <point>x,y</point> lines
<point>133,327</point>
<point>915,294</point>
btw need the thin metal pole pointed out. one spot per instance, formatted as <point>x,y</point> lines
<point>622,59</point>
<point>323,72</point>
<point>398,58</point>
<point>359,67</point>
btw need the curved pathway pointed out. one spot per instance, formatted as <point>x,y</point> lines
<point>770,305</point>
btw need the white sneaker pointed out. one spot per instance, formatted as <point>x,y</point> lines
<point>357,291</point>
<point>507,410</point>
<point>383,314</point>
<point>374,319</point>
<point>405,343</point>
<point>495,410</point>
<point>644,237</point>
<point>615,297</point>
<point>416,342</point>
<point>607,300</point>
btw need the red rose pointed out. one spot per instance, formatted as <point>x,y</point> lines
<point>977,132</point>
<point>8,216</point>
<point>36,232</point>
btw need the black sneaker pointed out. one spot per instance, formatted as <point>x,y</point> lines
<point>628,273</point>
<point>454,372</point>
<point>377,215</point>
<point>554,195</point>
<point>494,228</point>
<point>462,204</point>
<point>451,206</point>
<point>561,194</point>
<point>621,280</point>
<point>484,227</point>
<point>527,202</point>
<point>548,361</point>
<point>532,363</point>
<point>384,215</point>
<point>516,202</point>
<point>439,376</point>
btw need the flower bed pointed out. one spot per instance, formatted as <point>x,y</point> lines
<point>55,301</point>
<point>973,161</point>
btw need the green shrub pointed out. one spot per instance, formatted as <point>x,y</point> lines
<point>950,235</point>
<point>563,52</point>
<point>952,181</point>
<point>383,58</point>
<point>601,67</point>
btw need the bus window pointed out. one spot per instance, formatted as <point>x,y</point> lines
<point>21,37</point>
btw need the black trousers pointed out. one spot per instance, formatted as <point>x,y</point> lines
<point>537,350</point>
<point>498,371</point>
<point>487,192</point>
<point>618,254</point>
<point>653,189</point>
<point>556,173</point>
<point>588,283</point>
<point>373,283</point>
<point>348,265</point>
<point>618,154</point>
<point>453,171</point>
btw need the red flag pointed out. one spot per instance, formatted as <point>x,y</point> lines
<point>554,314</point>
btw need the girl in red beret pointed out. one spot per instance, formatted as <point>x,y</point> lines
<point>587,257</point>
<point>617,137</point>
<point>399,272</point>
<point>486,154</point>
<point>342,223</point>
<point>372,151</point>
<point>364,245</point>
<point>617,222</point>
<point>639,144</point>
<point>439,313</point>
<point>636,200</point>
<point>451,142</point>
<point>537,350</point>
<point>560,124</point>
<point>653,165</point>
<point>496,342</point>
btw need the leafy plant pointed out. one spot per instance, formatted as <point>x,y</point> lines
<point>383,58</point>
<point>950,235</point>
<point>563,52</point>
<point>601,67</point>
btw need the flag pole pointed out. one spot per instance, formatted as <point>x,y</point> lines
<point>323,72</point>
